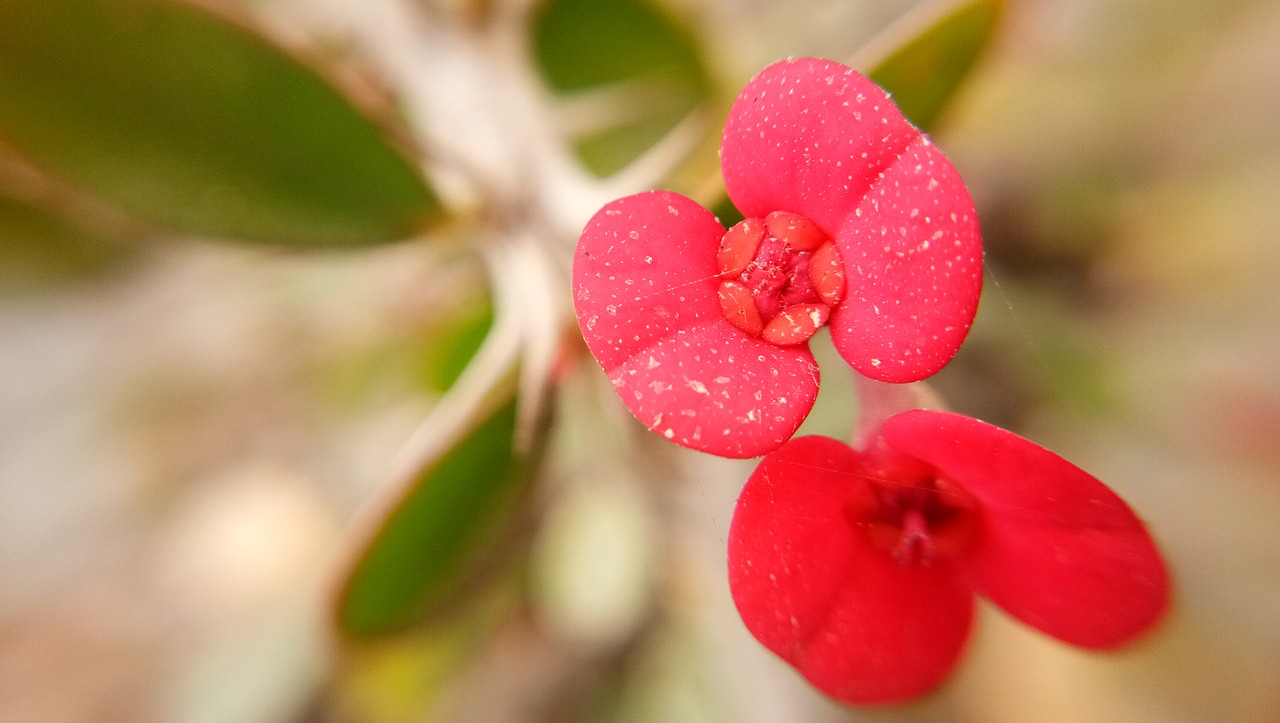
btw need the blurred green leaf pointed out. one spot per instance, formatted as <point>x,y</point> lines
<point>922,60</point>
<point>634,71</point>
<point>435,536</point>
<point>450,346</point>
<point>422,358</point>
<point>39,247</point>
<point>189,121</point>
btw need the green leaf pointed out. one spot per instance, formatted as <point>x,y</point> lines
<point>642,65</point>
<point>437,534</point>
<point>194,123</point>
<point>449,347</point>
<point>922,59</point>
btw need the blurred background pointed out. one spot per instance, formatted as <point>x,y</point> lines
<point>188,427</point>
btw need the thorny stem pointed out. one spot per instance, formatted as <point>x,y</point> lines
<point>476,105</point>
<point>468,92</point>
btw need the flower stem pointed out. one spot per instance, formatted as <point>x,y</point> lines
<point>880,400</point>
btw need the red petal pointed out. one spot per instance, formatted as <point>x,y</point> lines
<point>645,292</point>
<point>738,305</point>
<point>1057,549</point>
<point>797,232</point>
<point>809,586</point>
<point>809,136</point>
<point>644,268</point>
<point>738,246</point>
<point>913,257</point>
<point>795,324</point>
<point>826,273</point>
<point>815,138</point>
<point>713,388</point>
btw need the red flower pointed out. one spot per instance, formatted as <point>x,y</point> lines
<point>859,567</point>
<point>854,221</point>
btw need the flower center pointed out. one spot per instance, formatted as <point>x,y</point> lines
<point>914,515</point>
<point>780,277</point>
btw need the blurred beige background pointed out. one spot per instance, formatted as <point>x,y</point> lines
<point>184,436</point>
